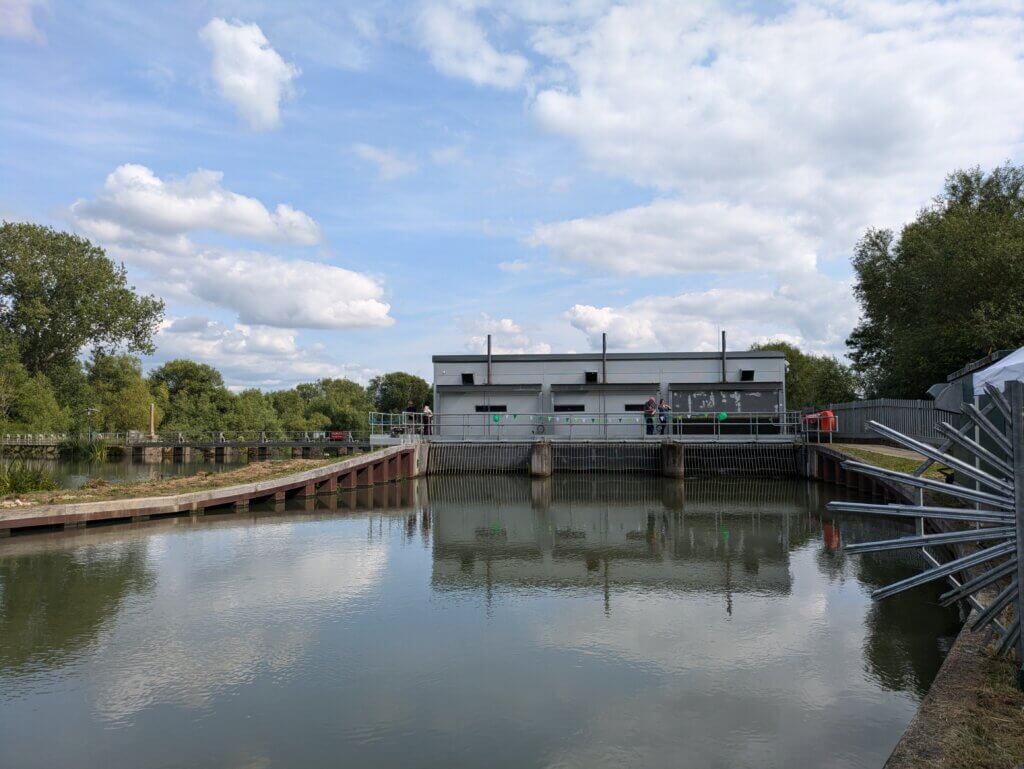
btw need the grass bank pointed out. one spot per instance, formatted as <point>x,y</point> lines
<point>97,491</point>
<point>973,715</point>
<point>880,458</point>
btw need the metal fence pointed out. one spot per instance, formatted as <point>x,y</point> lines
<point>587,426</point>
<point>916,418</point>
<point>171,438</point>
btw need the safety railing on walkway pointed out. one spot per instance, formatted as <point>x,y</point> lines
<point>183,438</point>
<point>588,426</point>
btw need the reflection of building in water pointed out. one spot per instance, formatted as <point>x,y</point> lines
<point>588,531</point>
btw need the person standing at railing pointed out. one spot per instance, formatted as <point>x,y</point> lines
<point>650,409</point>
<point>664,415</point>
<point>428,418</point>
<point>409,417</point>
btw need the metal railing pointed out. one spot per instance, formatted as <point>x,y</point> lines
<point>170,438</point>
<point>591,426</point>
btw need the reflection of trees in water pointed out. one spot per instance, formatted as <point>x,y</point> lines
<point>906,634</point>
<point>907,637</point>
<point>54,603</point>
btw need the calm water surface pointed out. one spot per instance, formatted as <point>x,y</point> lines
<point>583,621</point>
<point>73,473</point>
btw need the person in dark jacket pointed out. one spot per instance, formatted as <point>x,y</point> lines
<point>650,409</point>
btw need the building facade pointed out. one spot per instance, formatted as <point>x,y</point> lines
<point>477,390</point>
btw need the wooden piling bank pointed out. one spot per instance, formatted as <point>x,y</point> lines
<point>384,466</point>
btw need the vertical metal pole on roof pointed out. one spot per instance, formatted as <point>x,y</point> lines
<point>488,359</point>
<point>1015,395</point>
<point>723,355</point>
<point>604,358</point>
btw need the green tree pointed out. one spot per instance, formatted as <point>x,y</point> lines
<point>338,403</point>
<point>295,413</point>
<point>252,411</point>
<point>813,380</point>
<point>120,393</point>
<point>196,398</point>
<point>392,392</point>
<point>59,294</point>
<point>948,290</point>
<point>27,402</point>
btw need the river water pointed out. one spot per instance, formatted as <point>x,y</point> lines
<point>73,473</point>
<point>582,621</point>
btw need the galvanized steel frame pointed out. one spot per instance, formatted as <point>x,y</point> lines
<point>995,519</point>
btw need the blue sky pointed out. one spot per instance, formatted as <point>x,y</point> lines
<point>319,189</point>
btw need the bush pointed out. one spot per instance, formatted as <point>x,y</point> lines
<point>19,477</point>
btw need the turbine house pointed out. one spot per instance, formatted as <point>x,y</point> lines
<point>471,390</point>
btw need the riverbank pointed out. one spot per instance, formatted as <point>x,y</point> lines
<point>203,480</point>
<point>972,716</point>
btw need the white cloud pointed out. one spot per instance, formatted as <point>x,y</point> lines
<point>676,236</point>
<point>253,356</point>
<point>134,198</point>
<point>516,265</point>
<point>248,72</point>
<point>389,164</point>
<point>17,21</point>
<point>507,337</point>
<point>774,139</point>
<point>458,46</point>
<point>810,310</point>
<point>146,222</point>
<point>834,115</point>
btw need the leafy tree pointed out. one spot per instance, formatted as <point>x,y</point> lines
<point>27,402</point>
<point>121,394</point>
<point>948,290</point>
<point>196,398</point>
<point>253,411</point>
<point>813,380</point>
<point>338,403</point>
<point>60,294</point>
<point>392,392</point>
<point>295,413</point>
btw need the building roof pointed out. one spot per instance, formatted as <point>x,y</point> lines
<point>596,356</point>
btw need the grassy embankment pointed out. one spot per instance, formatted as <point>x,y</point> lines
<point>97,491</point>
<point>864,453</point>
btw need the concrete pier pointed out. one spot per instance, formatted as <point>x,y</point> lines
<point>541,462</point>
<point>672,465</point>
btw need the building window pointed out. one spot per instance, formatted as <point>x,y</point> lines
<point>570,407</point>
<point>747,375</point>
<point>491,409</point>
<point>634,407</point>
<point>590,377</point>
<point>467,378</point>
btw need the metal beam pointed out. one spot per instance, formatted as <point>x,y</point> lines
<point>916,511</point>
<point>941,487</point>
<point>926,540</point>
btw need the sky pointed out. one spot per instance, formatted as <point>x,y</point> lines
<point>342,189</point>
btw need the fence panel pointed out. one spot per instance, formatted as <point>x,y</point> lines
<point>917,418</point>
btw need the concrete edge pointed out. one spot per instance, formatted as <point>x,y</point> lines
<point>174,503</point>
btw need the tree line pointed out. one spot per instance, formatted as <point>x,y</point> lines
<point>945,290</point>
<point>71,331</point>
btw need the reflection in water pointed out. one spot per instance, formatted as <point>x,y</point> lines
<point>54,603</point>
<point>71,473</point>
<point>576,621</point>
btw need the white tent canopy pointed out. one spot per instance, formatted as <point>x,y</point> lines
<point>1005,369</point>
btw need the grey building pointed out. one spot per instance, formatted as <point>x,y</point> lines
<point>619,384</point>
